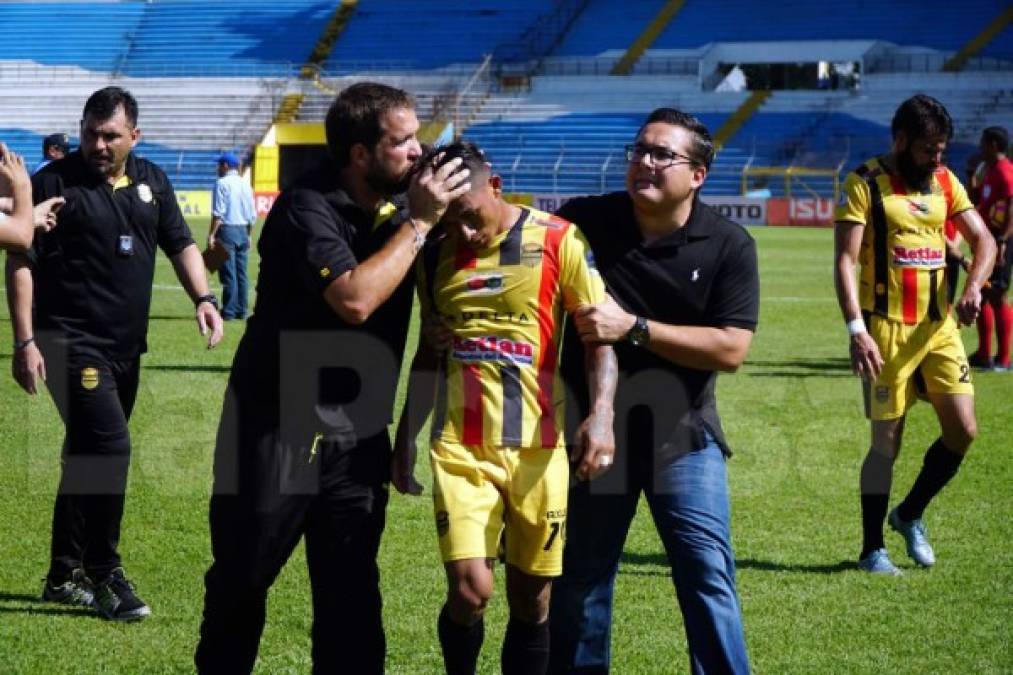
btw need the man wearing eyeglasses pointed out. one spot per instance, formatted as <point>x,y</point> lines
<point>683,307</point>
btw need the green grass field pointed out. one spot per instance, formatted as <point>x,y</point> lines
<point>793,415</point>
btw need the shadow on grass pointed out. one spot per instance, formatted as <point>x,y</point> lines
<point>822,367</point>
<point>633,560</point>
<point>768,566</point>
<point>173,367</point>
<point>37,606</point>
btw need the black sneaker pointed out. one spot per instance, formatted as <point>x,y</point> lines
<point>77,590</point>
<point>116,600</point>
<point>979,362</point>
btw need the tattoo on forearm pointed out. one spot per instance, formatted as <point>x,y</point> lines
<point>603,370</point>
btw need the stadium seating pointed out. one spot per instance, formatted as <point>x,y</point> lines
<point>92,35</point>
<point>167,37</point>
<point>428,33</point>
<point>224,37</point>
<point>236,62</point>
<point>615,24</point>
<point>184,123</point>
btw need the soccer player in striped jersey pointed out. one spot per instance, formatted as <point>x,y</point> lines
<point>500,279</point>
<point>904,342</point>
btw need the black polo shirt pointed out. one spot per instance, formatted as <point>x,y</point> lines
<point>85,286</point>
<point>704,274</point>
<point>313,235</point>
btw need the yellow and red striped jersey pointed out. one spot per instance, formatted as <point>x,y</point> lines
<point>903,254</point>
<point>499,383</point>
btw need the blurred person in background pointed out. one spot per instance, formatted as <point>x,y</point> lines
<point>233,215</point>
<point>54,147</point>
<point>995,194</point>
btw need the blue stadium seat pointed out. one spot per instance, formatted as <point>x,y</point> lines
<point>92,35</point>
<point>945,26</point>
<point>428,33</point>
<point>615,24</point>
<point>253,37</point>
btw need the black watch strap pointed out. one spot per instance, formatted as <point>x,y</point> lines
<point>210,298</point>
<point>638,335</point>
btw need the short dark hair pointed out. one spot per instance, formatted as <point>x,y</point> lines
<point>103,103</point>
<point>472,156</point>
<point>354,117</point>
<point>702,149</point>
<point>922,116</point>
<point>997,136</point>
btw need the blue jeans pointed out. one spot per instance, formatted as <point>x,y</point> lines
<point>688,498</point>
<point>235,286</point>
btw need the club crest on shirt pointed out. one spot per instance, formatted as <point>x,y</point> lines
<point>531,254</point>
<point>144,192</point>
<point>89,378</point>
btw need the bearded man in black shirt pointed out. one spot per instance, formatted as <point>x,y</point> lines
<point>303,448</point>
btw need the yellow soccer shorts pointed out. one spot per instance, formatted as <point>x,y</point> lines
<point>927,357</point>
<point>484,494</point>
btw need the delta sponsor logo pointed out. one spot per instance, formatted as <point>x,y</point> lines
<point>493,348</point>
<point>484,284</point>
<point>918,257</point>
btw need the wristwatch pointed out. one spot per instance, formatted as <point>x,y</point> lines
<point>210,298</point>
<point>639,335</point>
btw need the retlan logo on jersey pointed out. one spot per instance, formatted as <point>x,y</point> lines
<point>918,257</point>
<point>493,348</point>
<point>917,208</point>
<point>484,284</point>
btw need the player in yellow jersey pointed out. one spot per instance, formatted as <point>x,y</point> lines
<point>904,342</point>
<point>500,278</point>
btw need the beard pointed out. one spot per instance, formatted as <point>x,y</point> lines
<point>914,175</point>
<point>385,183</point>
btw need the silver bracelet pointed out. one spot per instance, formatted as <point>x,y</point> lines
<point>420,239</point>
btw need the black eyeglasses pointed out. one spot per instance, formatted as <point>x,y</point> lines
<point>661,157</point>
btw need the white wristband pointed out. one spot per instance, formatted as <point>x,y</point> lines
<point>856,326</point>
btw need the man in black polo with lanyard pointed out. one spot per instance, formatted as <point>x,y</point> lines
<point>686,299</point>
<point>90,279</point>
<point>303,447</point>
